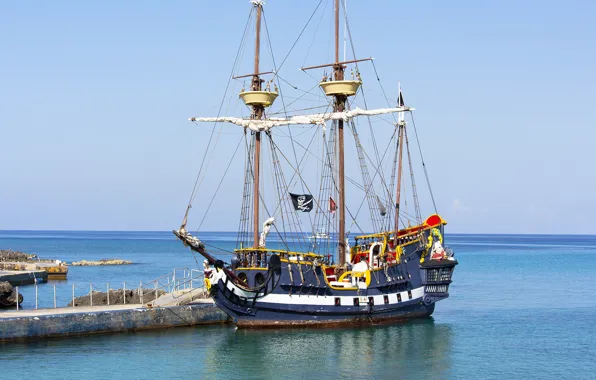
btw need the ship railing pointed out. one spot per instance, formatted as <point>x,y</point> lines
<point>179,282</point>
<point>279,251</point>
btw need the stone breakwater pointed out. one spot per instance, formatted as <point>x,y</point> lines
<point>10,255</point>
<point>118,297</point>
<point>91,263</point>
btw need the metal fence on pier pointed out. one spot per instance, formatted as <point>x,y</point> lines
<point>181,282</point>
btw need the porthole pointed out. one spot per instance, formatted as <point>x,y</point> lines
<point>242,276</point>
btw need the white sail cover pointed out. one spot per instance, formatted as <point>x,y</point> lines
<point>319,118</point>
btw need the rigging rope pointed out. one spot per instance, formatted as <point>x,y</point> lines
<point>198,181</point>
<point>300,35</point>
<point>377,171</point>
<point>293,168</point>
<point>423,164</point>
<point>314,35</point>
<point>220,182</point>
<point>415,193</point>
<point>283,101</point>
<point>245,214</point>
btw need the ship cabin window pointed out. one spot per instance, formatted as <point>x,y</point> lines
<point>386,299</point>
<point>371,301</point>
<point>409,294</point>
<point>337,301</point>
<point>398,297</point>
<point>356,301</point>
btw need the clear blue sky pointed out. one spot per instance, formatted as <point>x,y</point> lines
<point>94,98</point>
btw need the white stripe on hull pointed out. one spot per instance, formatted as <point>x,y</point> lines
<point>330,300</point>
<point>314,300</point>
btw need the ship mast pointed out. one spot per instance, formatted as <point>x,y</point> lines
<point>258,99</point>
<point>339,106</point>
<point>257,113</point>
<point>340,89</point>
<point>400,140</point>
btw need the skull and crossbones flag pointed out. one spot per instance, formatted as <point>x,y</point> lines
<point>302,202</point>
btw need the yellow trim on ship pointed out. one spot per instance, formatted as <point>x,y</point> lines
<point>280,251</point>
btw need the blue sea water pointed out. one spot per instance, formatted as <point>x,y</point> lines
<point>521,306</point>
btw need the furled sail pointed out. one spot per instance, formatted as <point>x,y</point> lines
<point>320,118</point>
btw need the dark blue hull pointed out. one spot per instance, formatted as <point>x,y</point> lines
<point>273,316</point>
<point>405,290</point>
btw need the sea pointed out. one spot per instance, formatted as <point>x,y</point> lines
<point>520,307</point>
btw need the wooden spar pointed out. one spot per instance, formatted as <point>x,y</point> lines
<point>257,114</point>
<point>400,140</point>
<point>333,64</point>
<point>339,106</point>
<point>252,75</point>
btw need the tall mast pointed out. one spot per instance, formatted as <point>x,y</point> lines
<point>400,141</point>
<point>339,106</point>
<point>257,113</point>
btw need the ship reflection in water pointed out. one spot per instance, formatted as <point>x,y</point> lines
<point>409,350</point>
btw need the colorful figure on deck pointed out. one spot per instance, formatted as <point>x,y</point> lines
<point>437,252</point>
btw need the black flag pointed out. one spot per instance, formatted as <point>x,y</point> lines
<point>400,100</point>
<point>302,202</point>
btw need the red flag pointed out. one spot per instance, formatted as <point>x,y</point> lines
<point>332,205</point>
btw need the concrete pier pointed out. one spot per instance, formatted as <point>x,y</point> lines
<point>64,322</point>
<point>23,277</point>
<point>53,270</point>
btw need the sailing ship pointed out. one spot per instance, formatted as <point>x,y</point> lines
<point>396,272</point>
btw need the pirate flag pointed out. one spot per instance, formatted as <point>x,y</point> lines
<point>302,202</point>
